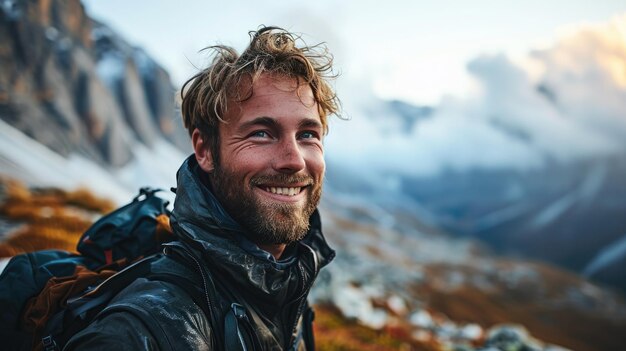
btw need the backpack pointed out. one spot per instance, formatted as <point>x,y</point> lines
<point>37,285</point>
<point>48,296</point>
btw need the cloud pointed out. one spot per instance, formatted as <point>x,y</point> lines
<point>588,67</point>
<point>516,106</point>
<point>574,109</point>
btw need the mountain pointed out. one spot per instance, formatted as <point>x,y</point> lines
<point>95,93</point>
<point>562,214</point>
<point>96,103</point>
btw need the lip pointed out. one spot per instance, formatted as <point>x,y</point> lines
<point>282,198</point>
<point>276,185</point>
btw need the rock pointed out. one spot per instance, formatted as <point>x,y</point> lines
<point>421,319</point>
<point>397,305</point>
<point>510,338</point>
<point>95,94</point>
<point>355,303</point>
<point>471,332</point>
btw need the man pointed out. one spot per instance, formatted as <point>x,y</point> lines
<point>250,244</point>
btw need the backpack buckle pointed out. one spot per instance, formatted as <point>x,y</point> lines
<point>49,344</point>
<point>239,311</point>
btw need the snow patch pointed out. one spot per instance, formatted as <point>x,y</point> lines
<point>25,159</point>
<point>154,167</point>
<point>111,69</point>
<point>355,303</point>
<point>397,304</point>
<point>586,190</point>
<point>554,211</point>
<point>471,331</point>
<point>606,257</point>
<point>421,319</point>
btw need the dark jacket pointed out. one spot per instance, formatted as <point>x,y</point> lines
<point>218,266</point>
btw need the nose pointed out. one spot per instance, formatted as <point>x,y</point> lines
<point>289,157</point>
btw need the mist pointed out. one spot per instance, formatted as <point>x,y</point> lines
<point>563,103</point>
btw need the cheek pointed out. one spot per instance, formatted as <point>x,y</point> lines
<point>316,164</point>
<point>244,163</point>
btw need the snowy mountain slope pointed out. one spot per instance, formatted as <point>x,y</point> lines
<point>25,159</point>
<point>565,214</point>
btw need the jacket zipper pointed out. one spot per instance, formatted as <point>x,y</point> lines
<point>302,273</point>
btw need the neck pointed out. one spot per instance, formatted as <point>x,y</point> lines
<point>275,250</point>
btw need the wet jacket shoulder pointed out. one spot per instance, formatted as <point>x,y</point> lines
<point>147,315</point>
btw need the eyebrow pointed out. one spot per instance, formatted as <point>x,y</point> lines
<point>310,123</point>
<point>271,123</point>
<point>262,121</point>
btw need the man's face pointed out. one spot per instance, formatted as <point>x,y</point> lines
<point>271,161</point>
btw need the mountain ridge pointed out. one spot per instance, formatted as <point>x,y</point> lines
<point>56,71</point>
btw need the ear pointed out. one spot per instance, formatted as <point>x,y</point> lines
<point>202,151</point>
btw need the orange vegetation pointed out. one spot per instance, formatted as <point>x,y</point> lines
<point>574,328</point>
<point>46,218</point>
<point>333,332</point>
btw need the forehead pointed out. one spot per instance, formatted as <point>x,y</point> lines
<point>275,97</point>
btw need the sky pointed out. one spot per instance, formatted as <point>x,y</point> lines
<point>410,50</point>
<point>479,64</point>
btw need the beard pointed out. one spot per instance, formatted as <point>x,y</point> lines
<point>267,222</point>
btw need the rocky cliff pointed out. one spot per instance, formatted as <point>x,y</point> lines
<point>73,85</point>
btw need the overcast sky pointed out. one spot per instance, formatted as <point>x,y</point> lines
<point>411,50</point>
<point>478,64</point>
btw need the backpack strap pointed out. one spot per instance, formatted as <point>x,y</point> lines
<point>209,301</point>
<point>239,335</point>
<point>233,336</point>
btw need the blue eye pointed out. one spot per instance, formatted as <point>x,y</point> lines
<point>260,134</point>
<point>307,135</point>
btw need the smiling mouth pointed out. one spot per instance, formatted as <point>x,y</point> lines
<point>285,191</point>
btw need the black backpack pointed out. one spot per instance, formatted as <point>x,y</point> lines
<point>119,238</point>
<point>132,233</point>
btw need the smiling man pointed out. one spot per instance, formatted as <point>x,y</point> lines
<point>249,236</point>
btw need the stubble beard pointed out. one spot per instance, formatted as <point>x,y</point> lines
<point>267,222</point>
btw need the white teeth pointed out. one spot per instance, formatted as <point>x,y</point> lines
<point>283,191</point>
